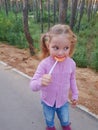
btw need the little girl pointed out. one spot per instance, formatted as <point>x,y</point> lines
<point>57,44</point>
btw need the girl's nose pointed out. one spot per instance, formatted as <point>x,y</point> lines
<point>60,53</point>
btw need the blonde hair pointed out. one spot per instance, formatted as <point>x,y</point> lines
<point>58,29</point>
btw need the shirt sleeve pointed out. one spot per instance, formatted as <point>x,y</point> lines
<point>73,83</point>
<point>35,83</point>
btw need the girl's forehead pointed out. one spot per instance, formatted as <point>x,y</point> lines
<point>60,40</point>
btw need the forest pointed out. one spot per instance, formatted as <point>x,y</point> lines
<point>23,21</point>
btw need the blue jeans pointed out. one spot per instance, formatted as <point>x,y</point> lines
<point>62,113</point>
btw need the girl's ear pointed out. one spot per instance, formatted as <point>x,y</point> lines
<point>47,45</point>
<point>47,40</point>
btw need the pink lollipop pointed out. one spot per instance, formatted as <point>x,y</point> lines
<point>58,59</point>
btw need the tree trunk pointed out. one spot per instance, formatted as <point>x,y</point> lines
<point>36,6</point>
<point>6,7</point>
<point>41,15</point>
<point>48,14</point>
<point>17,6</point>
<point>26,27</point>
<point>54,12</point>
<point>62,10</point>
<point>89,10</point>
<point>73,13</point>
<point>81,13</point>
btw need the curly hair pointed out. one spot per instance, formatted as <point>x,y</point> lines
<point>56,30</point>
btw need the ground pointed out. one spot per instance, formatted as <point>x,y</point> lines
<point>87,79</point>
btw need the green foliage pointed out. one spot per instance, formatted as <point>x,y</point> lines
<point>35,32</point>
<point>11,30</point>
<point>94,60</point>
<point>46,16</point>
<point>80,56</point>
<point>86,54</point>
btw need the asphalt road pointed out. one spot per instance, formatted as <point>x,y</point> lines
<point>20,108</point>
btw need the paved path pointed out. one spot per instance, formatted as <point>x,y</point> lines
<point>20,108</point>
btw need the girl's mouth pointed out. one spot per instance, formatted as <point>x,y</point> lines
<point>59,58</point>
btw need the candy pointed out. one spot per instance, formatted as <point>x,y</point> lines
<point>59,59</point>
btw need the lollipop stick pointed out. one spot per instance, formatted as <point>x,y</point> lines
<point>53,67</point>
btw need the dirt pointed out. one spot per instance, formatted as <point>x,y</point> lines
<point>87,79</point>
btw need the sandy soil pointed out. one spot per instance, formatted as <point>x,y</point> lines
<point>87,79</point>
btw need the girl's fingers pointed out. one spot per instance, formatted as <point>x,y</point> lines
<point>46,79</point>
<point>74,103</point>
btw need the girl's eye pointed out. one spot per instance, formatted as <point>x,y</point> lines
<point>66,48</point>
<point>55,48</point>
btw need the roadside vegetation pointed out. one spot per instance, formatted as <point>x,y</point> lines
<point>86,54</point>
<point>12,28</point>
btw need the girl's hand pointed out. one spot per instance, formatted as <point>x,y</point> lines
<point>46,79</point>
<point>74,103</point>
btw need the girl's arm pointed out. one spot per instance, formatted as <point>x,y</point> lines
<point>73,84</point>
<point>35,83</point>
<point>40,78</point>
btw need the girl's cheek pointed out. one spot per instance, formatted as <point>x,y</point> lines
<point>52,52</point>
<point>67,53</point>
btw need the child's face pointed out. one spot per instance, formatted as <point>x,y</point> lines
<point>59,47</point>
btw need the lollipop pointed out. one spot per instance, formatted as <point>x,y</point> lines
<point>58,59</point>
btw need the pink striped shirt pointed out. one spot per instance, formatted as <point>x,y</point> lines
<point>63,79</point>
